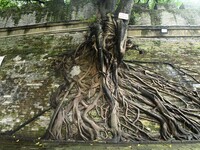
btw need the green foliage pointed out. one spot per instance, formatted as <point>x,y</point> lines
<point>91,19</point>
<point>4,4</point>
<point>152,3</point>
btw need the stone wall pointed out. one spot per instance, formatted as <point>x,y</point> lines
<point>31,14</point>
<point>86,10</point>
<point>27,77</point>
<point>82,9</point>
<point>179,17</point>
<point>35,14</point>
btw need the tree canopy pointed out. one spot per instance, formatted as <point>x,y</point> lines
<point>7,3</point>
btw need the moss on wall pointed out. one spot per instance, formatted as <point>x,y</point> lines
<point>36,12</point>
<point>155,17</point>
<point>27,78</point>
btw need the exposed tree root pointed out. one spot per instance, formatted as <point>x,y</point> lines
<point>110,99</point>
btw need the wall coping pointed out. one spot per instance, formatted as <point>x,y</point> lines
<point>79,26</point>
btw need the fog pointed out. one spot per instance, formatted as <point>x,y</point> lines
<point>192,4</point>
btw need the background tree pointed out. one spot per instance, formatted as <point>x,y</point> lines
<point>4,4</point>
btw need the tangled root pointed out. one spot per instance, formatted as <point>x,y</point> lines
<point>107,99</point>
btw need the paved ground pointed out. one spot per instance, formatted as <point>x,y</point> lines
<point>15,144</point>
<point>193,146</point>
<point>132,147</point>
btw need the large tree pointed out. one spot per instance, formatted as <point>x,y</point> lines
<point>107,98</point>
<point>104,97</point>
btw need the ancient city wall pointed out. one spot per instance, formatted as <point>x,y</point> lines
<point>164,15</point>
<point>27,77</point>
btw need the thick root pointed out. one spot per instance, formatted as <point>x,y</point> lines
<point>108,99</point>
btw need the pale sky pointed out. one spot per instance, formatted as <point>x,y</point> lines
<point>193,3</point>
